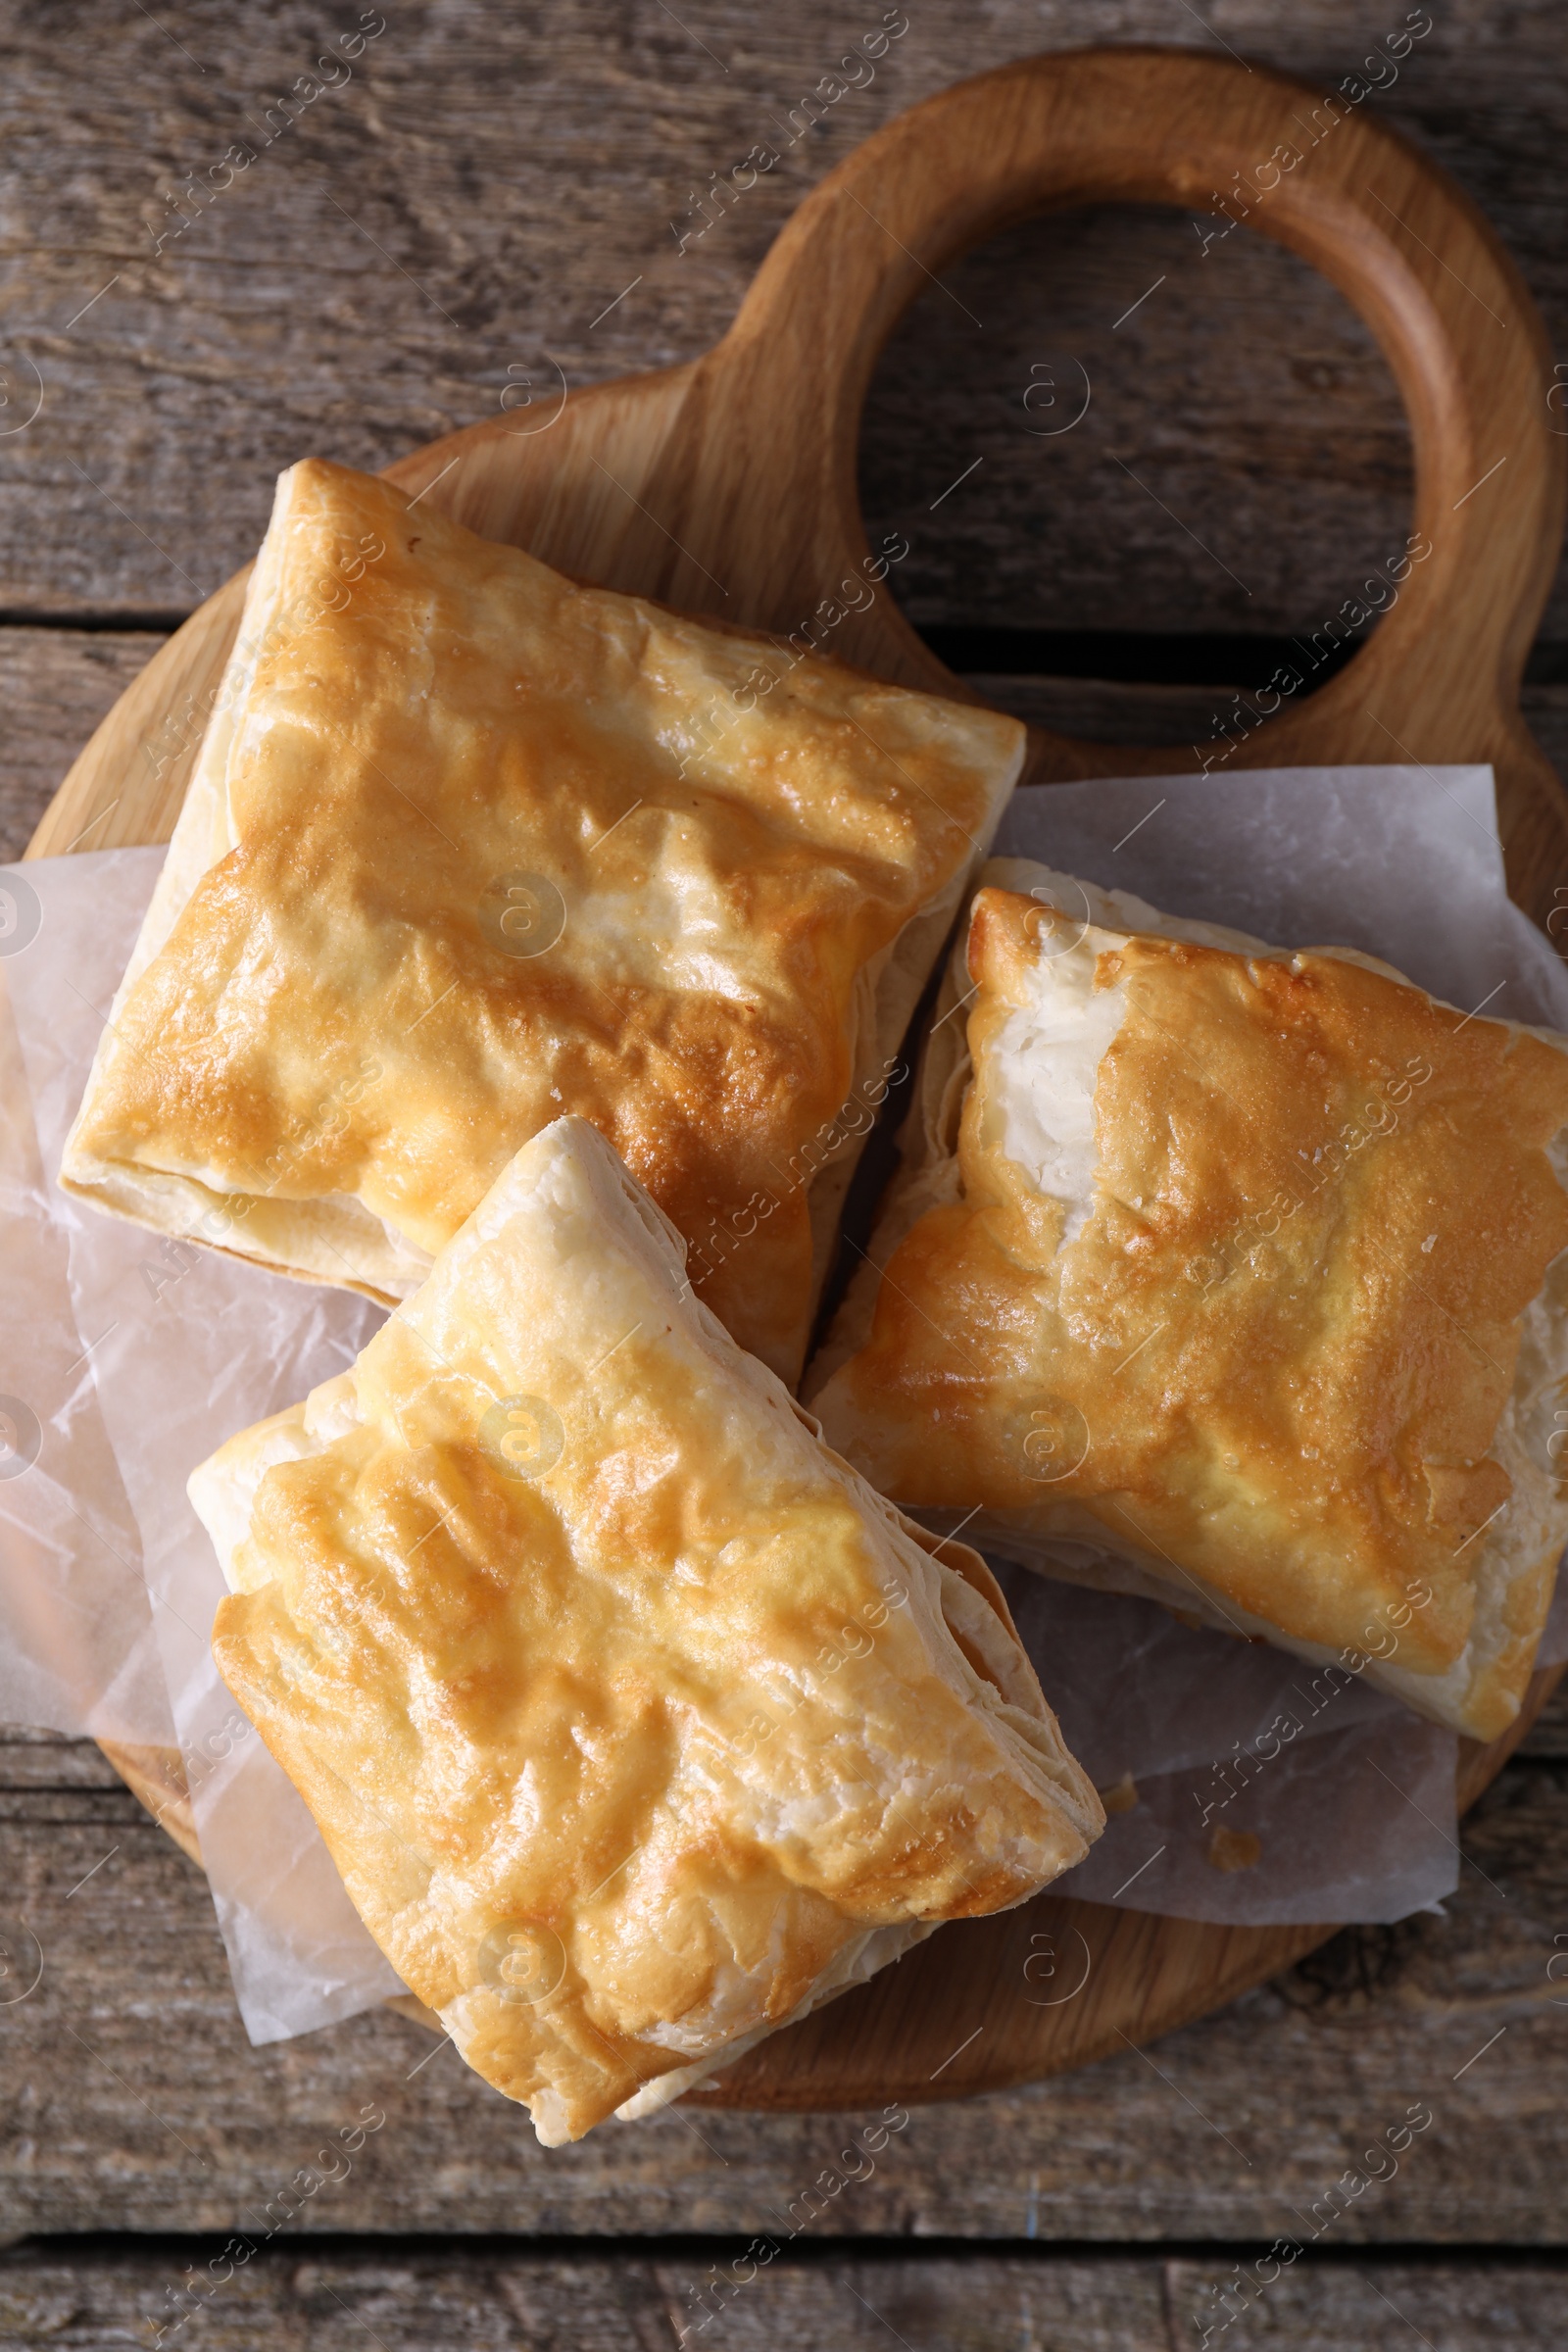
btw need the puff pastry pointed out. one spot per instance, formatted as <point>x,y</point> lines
<point>1233,1276</point>
<point>636,1723</point>
<point>469,846</point>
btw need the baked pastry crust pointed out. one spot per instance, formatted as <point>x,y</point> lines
<point>635,1722</point>
<point>1233,1278</point>
<point>469,846</point>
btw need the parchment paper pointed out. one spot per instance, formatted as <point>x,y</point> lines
<point>1354,1811</point>
<point>187,1347</point>
<point>1403,863</point>
<point>78,1648</point>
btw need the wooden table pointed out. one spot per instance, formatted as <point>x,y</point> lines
<point>491,193</point>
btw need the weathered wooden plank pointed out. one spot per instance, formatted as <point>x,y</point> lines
<point>32,1760</point>
<point>55,686</point>
<point>1353,2306</point>
<point>1163,506</point>
<point>131,2101</point>
<point>503,2300</point>
<point>1548,1734</point>
<point>496,2300</point>
<point>489,180</point>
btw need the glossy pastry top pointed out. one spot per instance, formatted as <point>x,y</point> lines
<point>1233,1261</point>
<point>628,1713</point>
<point>470,846</point>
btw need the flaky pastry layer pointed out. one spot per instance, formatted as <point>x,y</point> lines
<point>469,846</point>
<point>635,1722</point>
<point>1233,1276</point>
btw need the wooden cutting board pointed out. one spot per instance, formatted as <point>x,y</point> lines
<point>726,487</point>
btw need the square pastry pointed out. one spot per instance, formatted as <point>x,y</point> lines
<point>469,846</point>
<point>1234,1277</point>
<point>636,1723</point>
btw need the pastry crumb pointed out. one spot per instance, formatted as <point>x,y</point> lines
<point>1121,1795</point>
<point>1235,1849</point>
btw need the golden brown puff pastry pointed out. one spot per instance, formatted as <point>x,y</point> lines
<point>1228,1276</point>
<point>469,846</point>
<point>636,1723</point>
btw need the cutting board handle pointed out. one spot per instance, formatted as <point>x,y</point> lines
<point>727,486</point>
<point>1237,144</point>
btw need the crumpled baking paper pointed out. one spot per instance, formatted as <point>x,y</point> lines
<point>1403,863</point>
<point>142,1355</point>
<point>184,1347</point>
<point>78,1651</point>
<point>1258,1788</point>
